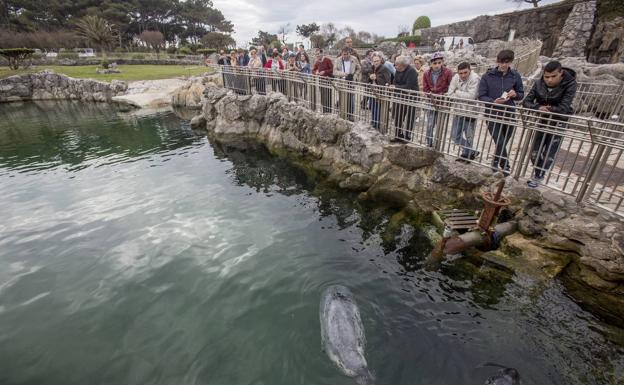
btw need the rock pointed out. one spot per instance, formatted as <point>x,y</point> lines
<point>48,85</point>
<point>189,95</point>
<point>529,255</point>
<point>410,157</point>
<point>330,128</point>
<point>358,182</point>
<point>198,121</point>
<point>213,94</point>
<point>362,146</point>
<point>458,176</point>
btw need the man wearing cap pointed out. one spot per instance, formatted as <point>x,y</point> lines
<point>435,81</point>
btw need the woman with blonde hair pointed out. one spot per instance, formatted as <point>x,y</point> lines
<point>419,65</point>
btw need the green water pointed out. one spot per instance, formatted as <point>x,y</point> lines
<point>136,251</point>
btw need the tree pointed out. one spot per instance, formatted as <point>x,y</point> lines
<point>329,33</point>
<point>284,30</point>
<point>420,23</point>
<point>534,2</point>
<point>264,39</point>
<point>218,40</point>
<point>403,30</point>
<point>307,30</point>
<point>16,56</point>
<point>153,39</point>
<point>317,41</point>
<point>97,31</point>
<point>348,32</point>
<point>364,36</point>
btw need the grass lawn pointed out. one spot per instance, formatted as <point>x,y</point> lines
<point>128,72</point>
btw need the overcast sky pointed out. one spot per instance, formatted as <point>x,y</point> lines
<point>375,16</point>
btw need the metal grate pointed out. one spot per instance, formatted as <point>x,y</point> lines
<point>458,219</point>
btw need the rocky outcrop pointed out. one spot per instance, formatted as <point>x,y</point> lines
<point>190,95</point>
<point>576,31</point>
<point>48,85</point>
<point>607,43</point>
<point>556,233</point>
<point>544,23</point>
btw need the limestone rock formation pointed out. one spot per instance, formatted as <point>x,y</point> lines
<point>49,85</point>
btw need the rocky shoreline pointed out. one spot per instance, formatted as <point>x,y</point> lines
<point>557,237</point>
<point>47,85</point>
<point>145,94</point>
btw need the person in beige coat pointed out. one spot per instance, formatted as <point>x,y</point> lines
<point>347,67</point>
<point>464,85</point>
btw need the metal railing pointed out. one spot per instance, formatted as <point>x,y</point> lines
<point>579,156</point>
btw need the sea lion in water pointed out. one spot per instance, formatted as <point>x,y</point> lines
<point>505,376</point>
<point>343,334</point>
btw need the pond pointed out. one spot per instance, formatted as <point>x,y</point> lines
<point>136,251</point>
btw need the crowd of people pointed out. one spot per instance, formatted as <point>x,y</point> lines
<point>501,87</point>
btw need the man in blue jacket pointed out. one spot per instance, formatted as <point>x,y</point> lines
<point>553,92</point>
<point>501,86</point>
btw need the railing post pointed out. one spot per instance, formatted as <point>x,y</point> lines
<point>589,181</point>
<point>384,113</point>
<point>524,148</point>
<point>248,81</point>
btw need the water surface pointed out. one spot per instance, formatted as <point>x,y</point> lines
<point>136,251</point>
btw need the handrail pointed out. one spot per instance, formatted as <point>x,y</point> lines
<point>524,142</point>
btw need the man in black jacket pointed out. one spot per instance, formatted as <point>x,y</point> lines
<point>553,93</point>
<point>406,78</point>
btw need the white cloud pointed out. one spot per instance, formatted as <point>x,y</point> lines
<point>382,18</point>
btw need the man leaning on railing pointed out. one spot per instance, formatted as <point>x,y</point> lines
<point>406,78</point>
<point>464,85</point>
<point>553,92</point>
<point>502,86</point>
<point>436,81</point>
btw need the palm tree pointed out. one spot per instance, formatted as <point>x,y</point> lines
<point>97,31</point>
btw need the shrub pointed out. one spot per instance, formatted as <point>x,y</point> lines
<point>406,39</point>
<point>16,56</point>
<point>171,50</point>
<point>104,64</point>
<point>185,50</point>
<point>138,56</point>
<point>206,51</point>
<point>420,23</point>
<point>120,50</point>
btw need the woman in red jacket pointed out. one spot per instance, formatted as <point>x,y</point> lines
<point>276,63</point>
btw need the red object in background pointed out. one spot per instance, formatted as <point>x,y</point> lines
<point>411,45</point>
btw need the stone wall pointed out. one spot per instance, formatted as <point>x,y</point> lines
<point>544,23</point>
<point>576,31</point>
<point>47,85</point>
<point>556,234</point>
<point>607,42</point>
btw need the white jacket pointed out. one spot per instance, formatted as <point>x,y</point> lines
<point>465,90</point>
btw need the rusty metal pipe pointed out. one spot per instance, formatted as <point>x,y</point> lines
<point>476,238</point>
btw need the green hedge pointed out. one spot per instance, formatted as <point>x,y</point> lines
<point>17,56</point>
<point>206,51</point>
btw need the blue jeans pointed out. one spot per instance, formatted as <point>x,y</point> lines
<point>432,116</point>
<point>466,126</point>
<point>375,111</point>
<point>544,152</point>
<point>501,134</point>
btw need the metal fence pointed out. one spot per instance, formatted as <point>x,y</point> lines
<point>579,156</point>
